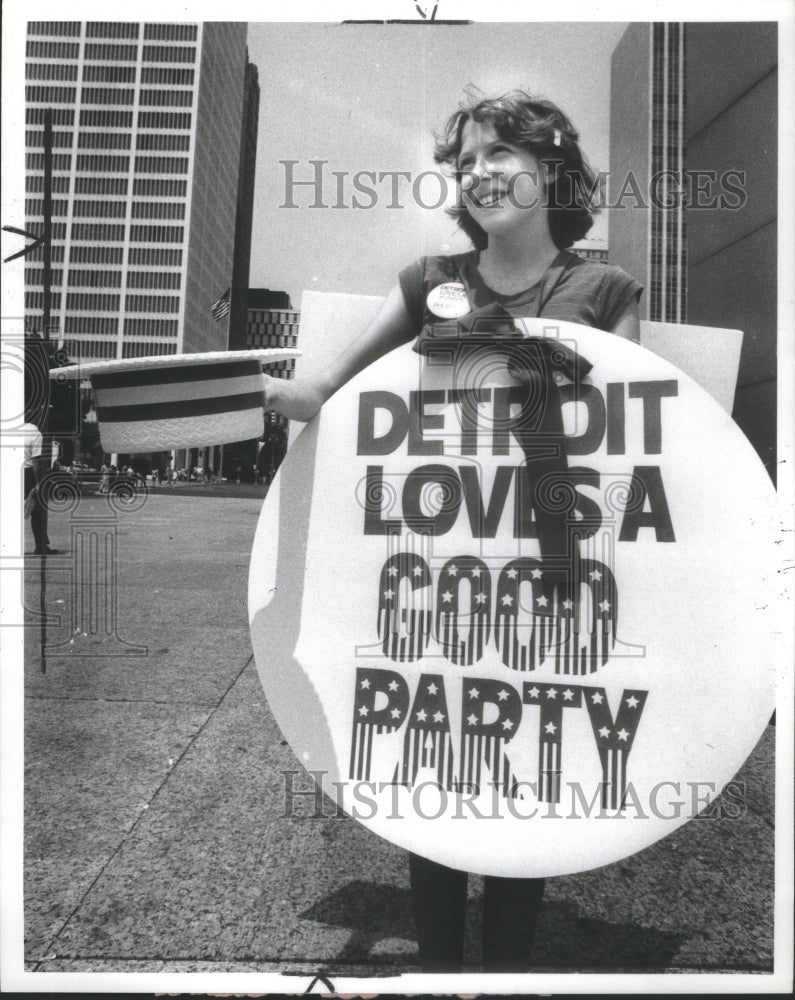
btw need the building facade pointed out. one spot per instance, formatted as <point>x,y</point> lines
<point>238,312</point>
<point>648,236</point>
<point>148,121</point>
<point>732,134</point>
<point>591,249</point>
<point>694,122</point>
<point>272,322</point>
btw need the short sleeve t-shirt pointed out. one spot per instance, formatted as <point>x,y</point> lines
<point>572,289</point>
<point>32,446</point>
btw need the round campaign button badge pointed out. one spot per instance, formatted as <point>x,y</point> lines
<point>448,301</point>
<point>517,628</point>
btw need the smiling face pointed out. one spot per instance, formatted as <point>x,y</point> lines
<point>502,184</point>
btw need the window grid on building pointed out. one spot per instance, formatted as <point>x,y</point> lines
<point>104,118</point>
<point>164,119</point>
<point>102,326</point>
<point>154,279</point>
<point>169,54</point>
<point>157,234</point>
<point>98,350</point>
<point>103,164</point>
<point>35,206</point>
<point>60,140</point>
<point>51,71</point>
<point>173,76</point>
<point>272,328</point>
<point>170,32</point>
<point>158,210</point>
<point>103,140</point>
<point>161,165</point>
<point>52,50</point>
<point>54,28</point>
<point>97,109</point>
<point>35,300</point>
<point>96,255</point>
<point>137,327</point>
<point>94,279</point>
<point>33,276</point>
<point>101,185</point>
<point>112,29</point>
<point>160,187</point>
<point>50,95</point>
<point>668,257</point>
<point>60,161</point>
<point>93,301</point>
<point>111,53</point>
<point>95,232</point>
<point>103,73</point>
<point>152,303</point>
<point>133,349</point>
<point>155,257</point>
<point>60,116</point>
<point>166,98</point>
<point>105,326</point>
<point>163,141</point>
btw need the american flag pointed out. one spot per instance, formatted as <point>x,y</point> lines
<point>220,307</point>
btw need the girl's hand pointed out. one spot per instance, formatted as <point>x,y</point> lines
<point>302,398</point>
<point>297,400</point>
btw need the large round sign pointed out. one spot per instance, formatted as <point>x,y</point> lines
<point>515,618</point>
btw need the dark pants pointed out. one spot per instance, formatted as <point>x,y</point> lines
<point>510,913</point>
<point>38,516</point>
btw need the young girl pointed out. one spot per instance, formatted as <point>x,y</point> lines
<point>526,196</point>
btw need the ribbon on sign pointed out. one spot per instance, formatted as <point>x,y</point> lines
<point>541,365</point>
<point>493,325</point>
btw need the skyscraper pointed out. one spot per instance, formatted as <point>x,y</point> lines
<point>647,150</point>
<point>693,118</point>
<point>148,123</point>
<point>245,210</point>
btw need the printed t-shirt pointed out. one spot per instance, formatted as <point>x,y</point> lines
<point>572,289</point>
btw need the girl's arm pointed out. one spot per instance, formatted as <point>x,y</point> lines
<point>302,398</point>
<point>628,323</point>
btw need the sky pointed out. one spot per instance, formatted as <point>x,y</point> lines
<point>367,98</point>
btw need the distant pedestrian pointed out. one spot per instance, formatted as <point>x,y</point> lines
<point>35,469</point>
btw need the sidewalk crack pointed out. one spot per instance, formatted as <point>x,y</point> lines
<point>125,836</point>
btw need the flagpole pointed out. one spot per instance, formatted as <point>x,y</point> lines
<point>220,309</point>
<point>47,208</point>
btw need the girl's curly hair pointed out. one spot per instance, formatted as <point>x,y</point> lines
<point>540,127</point>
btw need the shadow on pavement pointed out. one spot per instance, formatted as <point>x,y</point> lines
<point>375,912</point>
<point>372,911</point>
<point>565,939</point>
